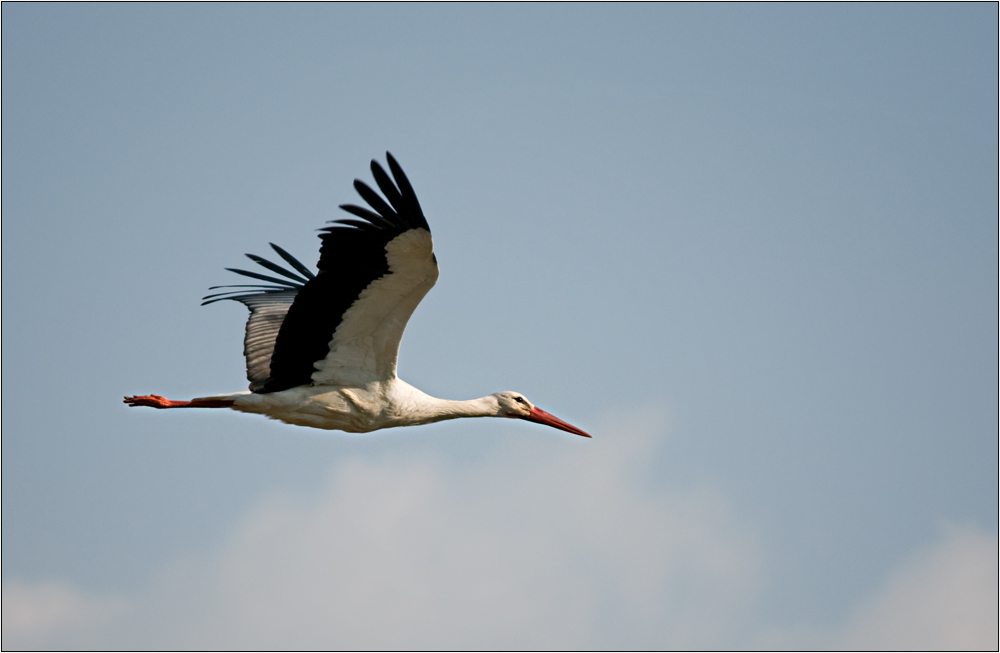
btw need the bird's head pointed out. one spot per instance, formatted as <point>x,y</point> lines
<point>514,404</point>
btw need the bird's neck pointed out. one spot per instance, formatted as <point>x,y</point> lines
<point>421,408</point>
<point>451,409</point>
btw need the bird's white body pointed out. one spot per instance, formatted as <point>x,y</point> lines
<point>321,349</point>
<point>359,409</point>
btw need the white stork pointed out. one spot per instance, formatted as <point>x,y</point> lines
<point>321,349</point>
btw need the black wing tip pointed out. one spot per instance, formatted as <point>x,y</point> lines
<point>273,267</point>
<point>407,192</point>
<point>374,219</point>
<point>405,211</point>
<point>294,262</point>
<point>240,295</point>
<point>290,282</point>
<point>400,208</point>
<point>264,277</point>
<point>211,299</point>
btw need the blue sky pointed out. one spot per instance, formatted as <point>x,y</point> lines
<point>752,249</point>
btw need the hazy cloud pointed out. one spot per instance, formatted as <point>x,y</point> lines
<point>943,598</point>
<point>38,615</point>
<point>561,544</point>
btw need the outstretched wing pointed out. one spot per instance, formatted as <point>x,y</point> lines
<point>344,325</point>
<point>268,305</point>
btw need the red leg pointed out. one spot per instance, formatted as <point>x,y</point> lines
<point>156,401</point>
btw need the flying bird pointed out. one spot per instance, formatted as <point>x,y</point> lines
<point>321,348</point>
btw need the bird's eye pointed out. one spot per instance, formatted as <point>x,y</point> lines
<point>520,400</point>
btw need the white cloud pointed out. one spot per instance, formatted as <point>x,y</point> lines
<point>552,543</point>
<point>560,544</point>
<point>34,615</point>
<point>944,598</point>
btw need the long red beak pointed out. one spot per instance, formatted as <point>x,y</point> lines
<point>540,416</point>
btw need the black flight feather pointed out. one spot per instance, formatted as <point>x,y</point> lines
<point>376,219</point>
<point>373,199</point>
<point>406,190</point>
<point>260,260</point>
<point>294,262</point>
<point>263,277</point>
<point>387,187</point>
